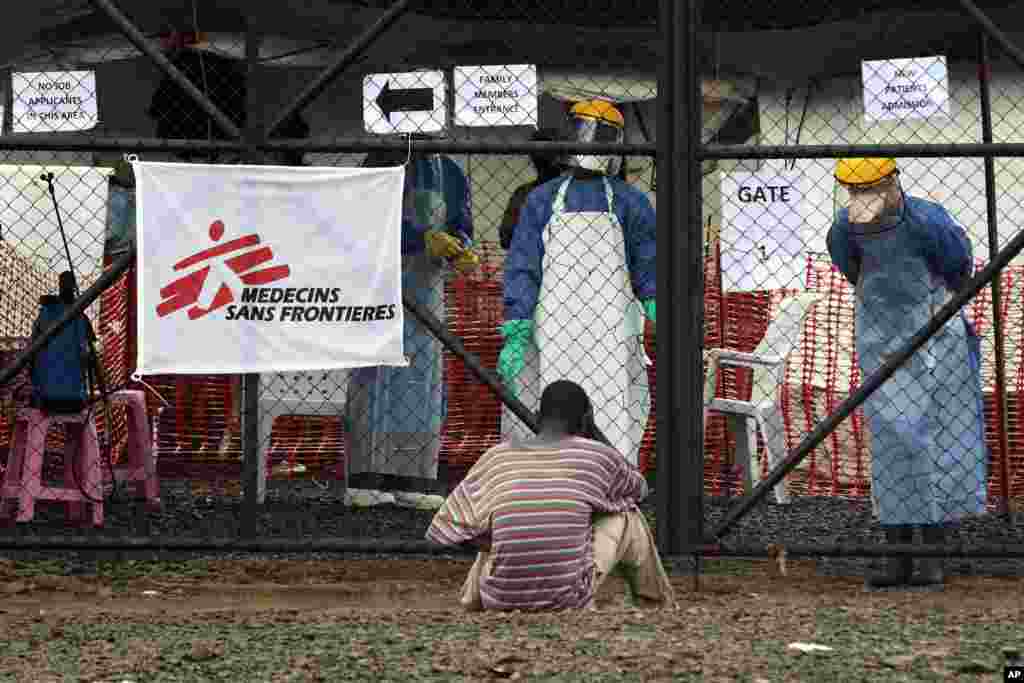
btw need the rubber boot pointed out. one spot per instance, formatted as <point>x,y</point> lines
<point>931,571</point>
<point>898,570</point>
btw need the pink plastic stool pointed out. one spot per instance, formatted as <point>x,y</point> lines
<point>23,479</point>
<point>141,466</point>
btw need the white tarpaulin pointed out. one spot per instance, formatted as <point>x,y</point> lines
<point>253,269</point>
<point>764,234</point>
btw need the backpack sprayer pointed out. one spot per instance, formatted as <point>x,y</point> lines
<point>93,371</point>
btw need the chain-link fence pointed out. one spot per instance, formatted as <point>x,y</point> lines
<point>535,268</point>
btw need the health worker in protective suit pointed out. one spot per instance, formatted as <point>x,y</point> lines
<point>907,257</point>
<point>579,276</point>
<point>548,167</point>
<point>396,413</point>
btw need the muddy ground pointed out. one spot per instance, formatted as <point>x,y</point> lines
<point>395,620</point>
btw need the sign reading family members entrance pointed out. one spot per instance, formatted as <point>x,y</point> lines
<point>57,101</point>
<point>763,232</point>
<point>496,95</point>
<point>896,89</point>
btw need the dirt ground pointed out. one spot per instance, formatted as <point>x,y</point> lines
<point>390,620</point>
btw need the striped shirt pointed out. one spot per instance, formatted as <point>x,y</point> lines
<point>535,504</point>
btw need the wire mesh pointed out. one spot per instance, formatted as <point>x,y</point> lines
<point>544,278</point>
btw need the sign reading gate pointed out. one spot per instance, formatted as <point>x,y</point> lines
<point>763,238</point>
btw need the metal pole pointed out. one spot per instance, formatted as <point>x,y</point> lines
<point>871,384</point>
<point>680,461</point>
<point>254,468</point>
<point>925,151</point>
<point>452,343</point>
<point>61,142</point>
<point>117,268</point>
<point>1014,52</point>
<point>344,60</point>
<point>689,479</point>
<point>670,176</point>
<point>146,47</point>
<point>76,142</point>
<point>993,249</point>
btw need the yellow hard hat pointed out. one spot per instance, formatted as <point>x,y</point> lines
<point>599,110</point>
<point>864,171</point>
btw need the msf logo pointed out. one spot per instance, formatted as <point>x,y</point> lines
<point>188,290</point>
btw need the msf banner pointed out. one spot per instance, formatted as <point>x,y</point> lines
<point>254,269</point>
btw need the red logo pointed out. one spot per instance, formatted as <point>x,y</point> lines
<point>187,290</point>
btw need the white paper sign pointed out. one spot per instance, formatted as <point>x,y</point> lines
<point>412,102</point>
<point>764,237</point>
<point>54,101</point>
<point>268,269</point>
<point>896,89</point>
<point>496,95</point>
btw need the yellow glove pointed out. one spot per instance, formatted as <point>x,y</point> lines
<point>467,261</point>
<point>442,245</point>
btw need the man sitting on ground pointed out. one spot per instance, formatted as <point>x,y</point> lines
<point>552,517</point>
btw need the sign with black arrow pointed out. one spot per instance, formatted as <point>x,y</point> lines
<point>407,99</point>
<point>412,102</point>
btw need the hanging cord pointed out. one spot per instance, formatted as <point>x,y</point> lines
<point>202,71</point>
<point>811,85</point>
<point>93,371</point>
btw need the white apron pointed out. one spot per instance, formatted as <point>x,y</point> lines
<point>589,326</point>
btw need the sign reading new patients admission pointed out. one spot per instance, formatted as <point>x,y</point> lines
<point>250,269</point>
<point>896,89</point>
<point>58,101</point>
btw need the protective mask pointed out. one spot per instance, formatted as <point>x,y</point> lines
<point>874,206</point>
<point>867,207</point>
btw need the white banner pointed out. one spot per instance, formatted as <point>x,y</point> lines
<point>268,269</point>
<point>765,235</point>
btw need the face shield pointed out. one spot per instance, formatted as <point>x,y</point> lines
<point>869,203</point>
<point>590,130</point>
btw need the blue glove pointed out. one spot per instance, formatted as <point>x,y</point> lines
<point>517,334</point>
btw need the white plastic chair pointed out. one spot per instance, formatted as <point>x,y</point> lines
<point>763,411</point>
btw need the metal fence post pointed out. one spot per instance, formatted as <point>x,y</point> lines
<point>254,468</point>
<point>993,249</point>
<point>680,458</point>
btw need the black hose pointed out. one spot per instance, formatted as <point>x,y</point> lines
<point>93,371</point>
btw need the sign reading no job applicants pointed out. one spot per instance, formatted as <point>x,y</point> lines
<point>56,101</point>
<point>411,102</point>
<point>496,95</point>
<point>763,236</point>
<point>896,89</point>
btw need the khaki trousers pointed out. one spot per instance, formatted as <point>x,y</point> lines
<point>623,545</point>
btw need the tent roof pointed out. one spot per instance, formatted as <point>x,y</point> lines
<point>725,15</point>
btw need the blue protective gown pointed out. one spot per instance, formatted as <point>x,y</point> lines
<point>929,457</point>
<point>396,413</point>
<point>524,259</point>
<point>582,256</point>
